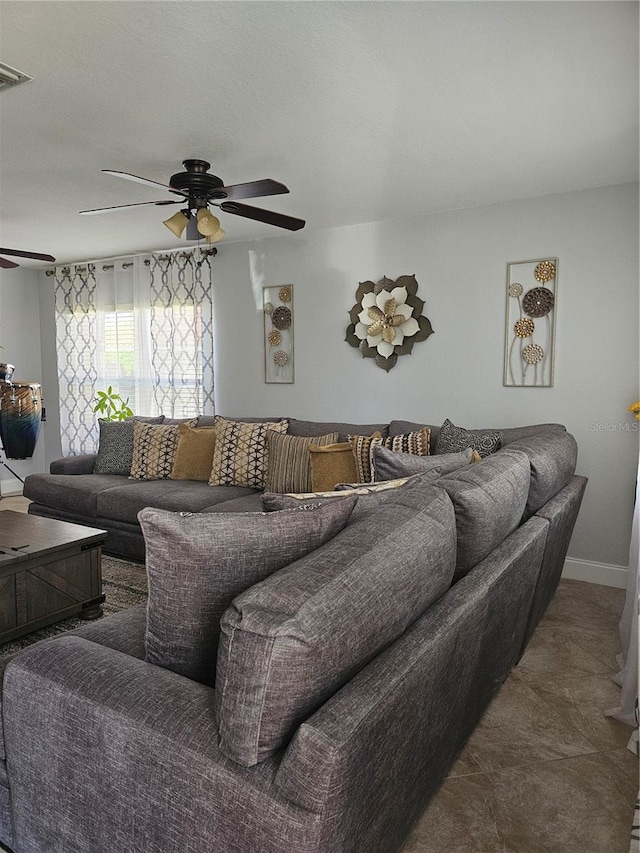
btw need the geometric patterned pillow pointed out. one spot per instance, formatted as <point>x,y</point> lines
<point>154,450</point>
<point>362,446</point>
<point>115,450</point>
<point>240,454</point>
<point>453,439</point>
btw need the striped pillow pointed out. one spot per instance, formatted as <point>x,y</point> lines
<point>289,465</point>
<point>409,442</point>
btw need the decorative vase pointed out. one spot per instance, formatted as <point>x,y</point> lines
<point>20,413</point>
<point>6,372</point>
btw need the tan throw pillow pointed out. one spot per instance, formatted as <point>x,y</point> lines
<point>333,464</point>
<point>289,465</point>
<point>240,452</point>
<point>194,456</point>
<point>154,450</point>
<point>362,446</point>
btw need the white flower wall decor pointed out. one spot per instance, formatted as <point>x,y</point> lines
<point>387,320</point>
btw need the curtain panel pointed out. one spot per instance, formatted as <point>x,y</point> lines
<point>142,325</point>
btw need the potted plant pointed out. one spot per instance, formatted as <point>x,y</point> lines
<point>111,405</point>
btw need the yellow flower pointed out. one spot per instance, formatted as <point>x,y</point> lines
<point>635,408</point>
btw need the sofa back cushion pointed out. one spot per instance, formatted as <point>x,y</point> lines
<point>289,643</point>
<point>489,500</point>
<point>197,564</point>
<point>553,456</point>
<point>308,428</point>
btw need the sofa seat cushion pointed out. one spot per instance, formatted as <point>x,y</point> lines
<point>290,642</point>
<point>489,498</point>
<point>553,456</point>
<point>77,493</point>
<point>124,502</point>
<point>246,503</point>
<point>197,564</point>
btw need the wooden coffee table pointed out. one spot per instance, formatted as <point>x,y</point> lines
<point>49,570</point>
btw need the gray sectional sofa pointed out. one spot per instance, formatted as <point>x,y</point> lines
<point>347,682</point>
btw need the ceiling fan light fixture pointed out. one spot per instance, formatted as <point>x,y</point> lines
<point>208,224</point>
<point>217,236</point>
<point>176,223</point>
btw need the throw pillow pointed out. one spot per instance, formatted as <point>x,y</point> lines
<point>387,464</point>
<point>194,454</point>
<point>362,447</point>
<point>333,464</point>
<point>115,448</point>
<point>289,465</point>
<point>274,501</point>
<point>154,449</point>
<point>452,439</point>
<point>240,452</point>
<point>198,563</point>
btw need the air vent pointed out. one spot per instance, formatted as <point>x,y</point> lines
<point>11,76</point>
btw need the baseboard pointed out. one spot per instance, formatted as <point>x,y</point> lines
<point>602,573</point>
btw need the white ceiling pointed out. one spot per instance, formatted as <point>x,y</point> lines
<point>366,110</point>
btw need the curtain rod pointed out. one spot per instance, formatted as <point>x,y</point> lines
<point>168,256</point>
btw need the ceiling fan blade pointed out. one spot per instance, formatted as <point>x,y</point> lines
<point>252,189</point>
<point>257,213</point>
<point>37,256</point>
<point>144,181</point>
<point>136,204</point>
<point>7,265</point>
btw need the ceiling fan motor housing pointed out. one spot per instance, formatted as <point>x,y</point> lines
<point>198,183</point>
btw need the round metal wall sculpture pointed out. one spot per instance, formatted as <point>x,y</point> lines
<point>20,413</point>
<point>387,320</point>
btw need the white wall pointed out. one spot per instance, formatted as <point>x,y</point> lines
<point>20,339</point>
<point>459,259</point>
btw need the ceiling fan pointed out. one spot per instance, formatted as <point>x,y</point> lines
<point>6,264</point>
<point>198,189</point>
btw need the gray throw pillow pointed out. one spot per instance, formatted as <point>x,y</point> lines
<point>453,439</point>
<point>198,563</point>
<point>390,464</point>
<point>115,449</point>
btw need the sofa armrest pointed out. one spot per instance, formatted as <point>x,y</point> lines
<point>74,464</point>
<point>95,737</point>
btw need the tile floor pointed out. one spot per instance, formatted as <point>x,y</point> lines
<point>545,771</point>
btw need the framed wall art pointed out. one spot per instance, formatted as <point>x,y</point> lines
<point>531,294</point>
<point>277,307</point>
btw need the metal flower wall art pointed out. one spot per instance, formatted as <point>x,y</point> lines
<point>387,320</point>
<point>532,288</point>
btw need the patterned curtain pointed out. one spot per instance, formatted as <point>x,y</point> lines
<point>143,326</point>
<point>76,325</point>
<point>181,328</point>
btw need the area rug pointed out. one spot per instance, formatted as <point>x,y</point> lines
<point>124,583</point>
